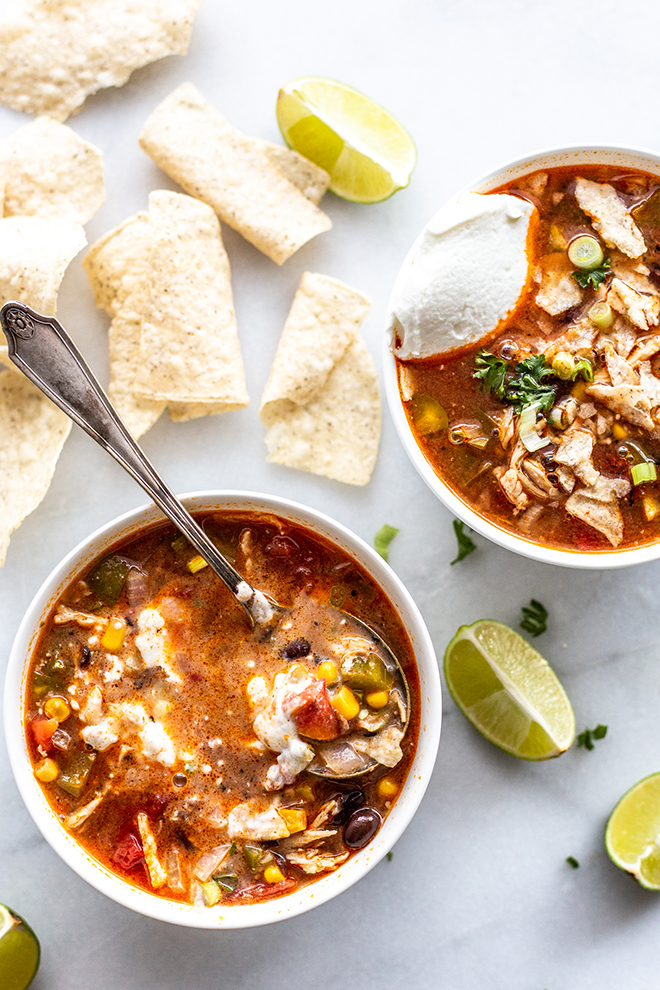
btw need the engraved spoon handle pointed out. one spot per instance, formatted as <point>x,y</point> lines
<point>40,348</point>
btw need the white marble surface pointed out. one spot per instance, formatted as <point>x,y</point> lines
<point>478,892</point>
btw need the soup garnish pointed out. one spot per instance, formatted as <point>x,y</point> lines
<point>545,419</point>
<point>186,752</point>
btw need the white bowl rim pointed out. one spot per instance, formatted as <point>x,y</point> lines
<point>593,560</point>
<point>312,895</point>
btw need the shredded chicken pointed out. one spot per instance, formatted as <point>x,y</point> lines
<point>645,349</point>
<point>311,836</point>
<point>314,860</point>
<point>507,427</point>
<point>619,370</point>
<point>597,505</point>
<point>623,336</point>
<point>326,812</point>
<point>642,310</point>
<point>578,339</point>
<point>157,874</point>
<point>83,619</point>
<point>79,817</point>
<point>610,218</point>
<point>650,383</point>
<point>629,401</point>
<point>575,451</point>
<point>510,481</point>
<point>559,290</point>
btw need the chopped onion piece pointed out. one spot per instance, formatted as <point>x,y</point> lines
<point>527,431</point>
<point>341,758</point>
<point>643,472</point>
<point>210,861</point>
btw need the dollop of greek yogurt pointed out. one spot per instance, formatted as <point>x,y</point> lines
<point>466,275</point>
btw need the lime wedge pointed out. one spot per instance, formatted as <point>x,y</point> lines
<point>632,836</point>
<point>19,951</point>
<point>365,150</point>
<point>508,691</point>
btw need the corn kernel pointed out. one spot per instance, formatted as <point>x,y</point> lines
<point>377,699</point>
<point>58,709</point>
<point>273,874</point>
<point>619,431</point>
<point>211,892</point>
<point>387,788</point>
<point>345,703</point>
<point>651,507</point>
<point>114,636</point>
<point>556,240</point>
<point>47,771</point>
<point>196,564</point>
<point>328,672</point>
<point>579,391</point>
<point>295,819</point>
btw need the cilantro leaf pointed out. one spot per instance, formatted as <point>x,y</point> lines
<point>594,278</point>
<point>572,861</point>
<point>587,737</point>
<point>383,538</point>
<point>491,371</point>
<point>527,387</point>
<point>535,618</point>
<point>465,544</point>
<point>389,857</point>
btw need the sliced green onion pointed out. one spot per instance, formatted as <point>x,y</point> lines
<point>228,881</point>
<point>337,596</point>
<point>602,315</point>
<point>527,431</point>
<point>383,538</point>
<point>563,365</point>
<point>643,472</point>
<point>457,435</point>
<point>584,368</point>
<point>585,252</point>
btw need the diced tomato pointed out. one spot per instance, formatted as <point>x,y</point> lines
<point>157,804</point>
<point>313,714</point>
<point>42,730</point>
<point>128,852</point>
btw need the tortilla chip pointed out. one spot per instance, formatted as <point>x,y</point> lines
<point>54,54</point>
<point>118,267</point>
<point>32,434</point>
<point>189,350</point>
<point>51,172</point>
<point>268,194</point>
<point>321,405</point>
<point>34,254</point>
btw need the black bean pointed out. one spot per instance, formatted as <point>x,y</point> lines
<point>85,657</point>
<point>350,801</point>
<point>296,649</point>
<point>361,827</point>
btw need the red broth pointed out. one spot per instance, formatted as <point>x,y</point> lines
<point>144,736</point>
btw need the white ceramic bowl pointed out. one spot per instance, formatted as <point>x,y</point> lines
<point>242,916</point>
<point>625,158</point>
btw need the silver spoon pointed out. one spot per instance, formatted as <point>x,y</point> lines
<point>40,347</point>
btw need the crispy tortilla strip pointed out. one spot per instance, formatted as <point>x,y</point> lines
<point>54,53</point>
<point>34,254</point>
<point>51,172</point>
<point>118,267</point>
<point>321,405</point>
<point>267,194</point>
<point>32,434</point>
<point>189,350</point>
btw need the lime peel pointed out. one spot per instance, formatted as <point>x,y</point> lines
<point>632,834</point>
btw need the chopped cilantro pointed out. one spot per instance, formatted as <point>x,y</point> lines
<point>594,278</point>
<point>383,538</point>
<point>535,618</point>
<point>389,857</point>
<point>587,737</point>
<point>465,544</point>
<point>521,386</point>
<point>572,861</point>
<point>491,370</point>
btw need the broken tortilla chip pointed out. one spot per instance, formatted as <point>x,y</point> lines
<point>118,267</point>
<point>265,192</point>
<point>32,434</point>
<point>55,54</point>
<point>34,254</point>
<point>321,404</point>
<point>189,350</point>
<point>50,171</point>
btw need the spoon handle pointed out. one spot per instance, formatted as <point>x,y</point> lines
<point>41,348</point>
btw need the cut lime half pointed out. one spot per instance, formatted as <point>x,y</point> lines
<point>19,951</point>
<point>365,150</point>
<point>632,836</point>
<point>508,691</point>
